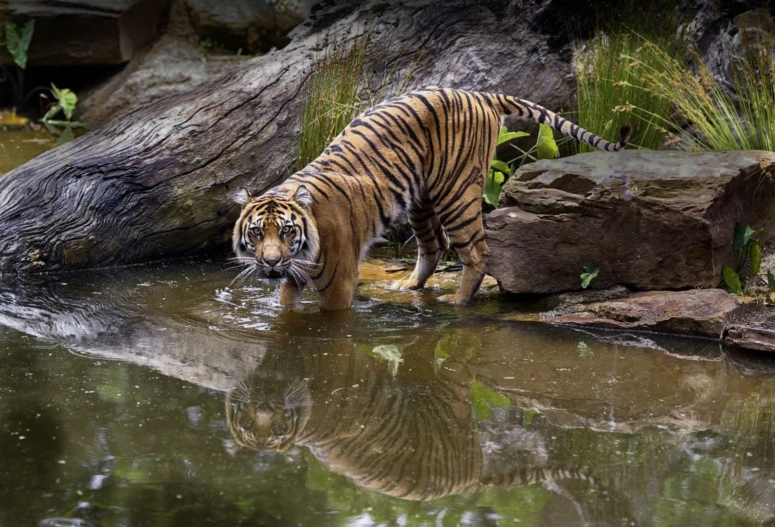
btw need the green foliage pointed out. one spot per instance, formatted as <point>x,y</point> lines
<point>588,273</point>
<point>546,146</point>
<point>18,40</point>
<point>611,90</point>
<point>755,253</point>
<point>721,122</point>
<point>390,354</point>
<point>499,170</point>
<point>66,101</point>
<point>770,281</point>
<point>584,350</point>
<point>732,279</point>
<point>483,399</point>
<point>743,234</point>
<point>330,98</point>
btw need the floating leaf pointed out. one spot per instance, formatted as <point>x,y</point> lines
<point>546,146</point>
<point>732,280</point>
<point>483,399</point>
<point>770,281</point>
<point>492,187</point>
<point>18,41</point>
<point>756,256</point>
<point>584,350</point>
<point>743,233</point>
<point>505,135</point>
<point>588,273</point>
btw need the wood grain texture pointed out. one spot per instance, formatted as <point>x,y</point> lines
<point>159,181</point>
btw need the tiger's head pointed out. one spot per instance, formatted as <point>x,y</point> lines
<point>276,235</point>
<point>268,412</point>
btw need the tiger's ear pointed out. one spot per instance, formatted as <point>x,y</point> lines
<point>243,196</point>
<point>303,197</point>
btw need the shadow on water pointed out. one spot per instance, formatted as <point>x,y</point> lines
<point>160,396</point>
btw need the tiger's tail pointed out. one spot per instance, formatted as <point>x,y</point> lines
<point>528,110</point>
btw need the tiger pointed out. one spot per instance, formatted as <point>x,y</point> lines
<point>409,434</point>
<point>423,156</point>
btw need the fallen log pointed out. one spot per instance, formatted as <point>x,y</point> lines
<point>158,182</point>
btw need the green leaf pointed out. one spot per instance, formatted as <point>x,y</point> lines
<point>771,281</point>
<point>505,135</point>
<point>732,280</point>
<point>500,165</point>
<point>756,256</point>
<point>483,399</point>
<point>584,350</point>
<point>546,145</point>
<point>492,187</point>
<point>588,273</point>
<point>18,41</point>
<point>66,99</point>
<point>743,233</point>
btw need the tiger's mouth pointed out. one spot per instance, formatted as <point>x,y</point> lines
<point>274,274</point>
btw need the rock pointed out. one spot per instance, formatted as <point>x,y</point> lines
<point>85,32</point>
<point>649,220</point>
<point>250,25</point>
<point>752,338</point>
<point>697,312</point>
<point>160,181</point>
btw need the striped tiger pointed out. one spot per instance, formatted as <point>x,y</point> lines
<point>411,436</point>
<point>424,155</point>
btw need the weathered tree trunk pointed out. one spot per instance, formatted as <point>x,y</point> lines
<point>158,182</point>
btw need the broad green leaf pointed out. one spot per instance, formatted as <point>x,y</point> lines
<point>18,41</point>
<point>756,256</point>
<point>483,399</point>
<point>770,281</point>
<point>66,99</point>
<point>743,233</point>
<point>500,165</point>
<point>732,280</point>
<point>505,135</point>
<point>588,273</point>
<point>546,145</point>
<point>492,187</point>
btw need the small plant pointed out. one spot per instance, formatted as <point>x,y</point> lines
<point>499,170</point>
<point>17,40</point>
<point>546,146</point>
<point>588,273</point>
<point>65,104</point>
<point>749,250</point>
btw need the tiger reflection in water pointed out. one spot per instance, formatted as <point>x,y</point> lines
<point>411,435</point>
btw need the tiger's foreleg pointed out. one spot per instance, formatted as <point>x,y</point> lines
<point>337,293</point>
<point>290,293</point>
<point>427,231</point>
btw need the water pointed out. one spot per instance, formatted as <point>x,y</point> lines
<point>19,146</point>
<point>115,388</point>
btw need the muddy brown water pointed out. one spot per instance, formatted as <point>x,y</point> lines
<point>115,384</point>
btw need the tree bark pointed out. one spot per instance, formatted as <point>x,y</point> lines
<point>159,181</point>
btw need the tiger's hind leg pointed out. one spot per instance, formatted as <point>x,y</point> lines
<point>463,223</point>
<point>427,230</point>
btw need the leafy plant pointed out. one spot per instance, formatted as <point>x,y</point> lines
<point>17,39</point>
<point>588,273</point>
<point>748,246</point>
<point>66,101</point>
<point>546,146</point>
<point>732,279</point>
<point>499,171</point>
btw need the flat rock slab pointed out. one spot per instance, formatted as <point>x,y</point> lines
<point>649,220</point>
<point>697,312</point>
<point>751,338</point>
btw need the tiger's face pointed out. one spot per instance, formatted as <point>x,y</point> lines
<point>276,237</point>
<point>266,413</point>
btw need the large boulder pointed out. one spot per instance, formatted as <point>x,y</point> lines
<point>85,32</point>
<point>649,220</point>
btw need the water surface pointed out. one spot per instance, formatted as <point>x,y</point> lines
<point>116,387</point>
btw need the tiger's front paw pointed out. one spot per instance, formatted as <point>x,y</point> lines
<point>408,283</point>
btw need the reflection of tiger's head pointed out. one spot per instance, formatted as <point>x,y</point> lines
<point>276,235</point>
<point>268,415</point>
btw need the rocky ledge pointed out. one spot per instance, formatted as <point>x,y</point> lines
<point>648,220</point>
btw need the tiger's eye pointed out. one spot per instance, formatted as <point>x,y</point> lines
<point>255,231</point>
<point>286,230</point>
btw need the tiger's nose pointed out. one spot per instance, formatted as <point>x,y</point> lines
<point>271,262</point>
